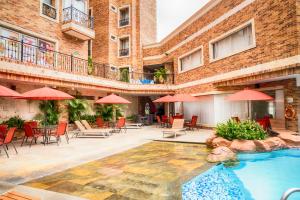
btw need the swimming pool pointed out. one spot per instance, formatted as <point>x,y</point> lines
<point>261,176</point>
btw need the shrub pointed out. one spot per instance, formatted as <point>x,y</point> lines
<point>15,122</point>
<point>76,108</point>
<point>106,111</point>
<point>246,130</point>
<point>89,118</point>
<point>50,112</point>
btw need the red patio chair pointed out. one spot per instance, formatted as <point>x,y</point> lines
<point>164,119</point>
<point>3,130</point>
<point>30,133</point>
<point>60,131</point>
<point>121,125</point>
<point>9,140</point>
<point>193,123</point>
<point>171,121</point>
<point>159,122</point>
<point>100,123</point>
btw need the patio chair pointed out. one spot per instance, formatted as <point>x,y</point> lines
<point>9,140</point>
<point>178,126</point>
<point>121,125</point>
<point>60,131</point>
<point>30,133</point>
<point>92,133</point>
<point>171,120</point>
<point>100,123</point>
<point>87,126</point>
<point>159,122</point>
<point>192,124</point>
<point>3,130</point>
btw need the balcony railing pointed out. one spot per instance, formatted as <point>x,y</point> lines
<point>124,22</point>
<point>124,52</point>
<point>45,58</point>
<point>49,11</point>
<point>72,14</point>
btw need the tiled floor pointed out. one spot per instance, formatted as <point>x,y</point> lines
<point>154,170</point>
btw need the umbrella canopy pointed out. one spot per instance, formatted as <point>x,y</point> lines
<point>6,92</point>
<point>165,99</point>
<point>184,98</point>
<point>249,95</point>
<point>112,99</point>
<point>46,93</point>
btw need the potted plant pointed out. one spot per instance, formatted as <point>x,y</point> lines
<point>90,66</point>
<point>124,75</point>
<point>160,75</point>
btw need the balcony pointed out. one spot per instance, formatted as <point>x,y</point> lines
<point>49,11</point>
<point>34,56</point>
<point>124,22</point>
<point>77,24</point>
<point>123,52</point>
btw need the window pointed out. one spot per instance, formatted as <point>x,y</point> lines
<point>79,5</point>
<point>124,47</point>
<point>192,60</point>
<point>124,17</point>
<point>113,8</point>
<point>49,9</point>
<point>236,42</point>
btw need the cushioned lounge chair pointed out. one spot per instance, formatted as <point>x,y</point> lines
<point>177,127</point>
<point>92,133</point>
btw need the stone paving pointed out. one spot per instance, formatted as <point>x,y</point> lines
<point>154,170</point>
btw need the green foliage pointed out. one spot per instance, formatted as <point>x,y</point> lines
<point>15,122</point>
<point>76,108</point>
<point>246,130</point>
<point>124,75</point>
<point>106,111</point>
<point>91,67</point>
<point>160,74</point>
<point>50,112</point>
<point>89,118</point>
<point>132,118</point>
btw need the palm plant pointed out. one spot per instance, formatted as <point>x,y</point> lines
<point>50,112</point>
<point>106,112</point>
<point>76,109</point>
<point>160,75</point>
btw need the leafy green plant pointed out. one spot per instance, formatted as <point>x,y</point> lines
<point>106,111</point>
<point>89,118</point>
<point>160,75</point>
<point>246,130</point>
<point>50,112</point>
<point>124,75</point>
<point>90,66</point>
<point>15,122</point>
<point>76,108</point>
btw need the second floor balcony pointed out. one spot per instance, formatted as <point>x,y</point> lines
<point>124,52</point>
<point>124,22</point>
<point>49,11</point>
<point>77,23</point>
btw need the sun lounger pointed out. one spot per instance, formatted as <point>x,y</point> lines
<point>177,127</point>
<point>91,133</point>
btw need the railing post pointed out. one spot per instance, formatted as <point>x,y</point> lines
<point>173,77</point>
<point>71,13</point>
<point>72,63</point>
<point>22,46</point>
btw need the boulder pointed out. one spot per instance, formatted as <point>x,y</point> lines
<point>243,146</point>
<point>290,140</point>
<point>262,145</point>
<point>221,154</point>
<point>210,139</point>
<point>219,141</point>
<point>275,143</point>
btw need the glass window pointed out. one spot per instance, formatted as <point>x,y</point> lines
<point>233,43</point>
<point>191,61</point>
<point>45,54</point>
<point>78,4</point>
<point>29,49</point>
<point>9,45</point>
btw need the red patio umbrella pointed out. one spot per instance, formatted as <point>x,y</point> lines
<point>184,98</point>
<point>46,93</point>
<point>113,99</point>
<point>249,95</point>
<point>6,92</point>
<point>164,99</point>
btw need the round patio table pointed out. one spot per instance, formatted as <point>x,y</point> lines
<point>46,131</point>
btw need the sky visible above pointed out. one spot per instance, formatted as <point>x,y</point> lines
<point>172,13</point>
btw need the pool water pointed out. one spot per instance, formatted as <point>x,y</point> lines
<point>261,176</point>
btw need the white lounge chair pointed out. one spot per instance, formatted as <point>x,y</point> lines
<point>90,133</point>
<point>177,126</point>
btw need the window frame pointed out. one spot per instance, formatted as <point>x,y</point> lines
<point>228,33</point>
<point>187,54</point>
<point>119,16</point>
<point>119,46</point>
<point>57,5</point>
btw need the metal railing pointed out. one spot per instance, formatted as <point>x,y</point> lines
<point>124,22</point>
<point>289,192</point>
<point>123,52</point>
<point>49,11</point>
<point>77,16</point>
<point>46,58</point>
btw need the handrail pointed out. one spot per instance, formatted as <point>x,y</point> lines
<point>72,13</point>
<point>289,192</point>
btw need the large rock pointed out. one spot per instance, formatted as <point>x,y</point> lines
<point>275,143</point>
<point>210,140</point>
<point>290,140</point>
<point>243,146</point>
<point>219,141</point>
<point>262,145</point>
<point>221,154</point>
